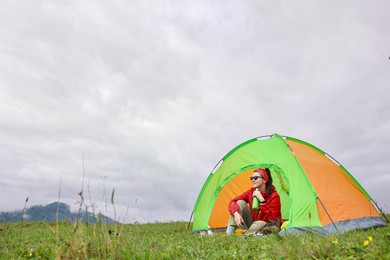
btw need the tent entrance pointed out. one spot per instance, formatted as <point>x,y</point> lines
<point>238,182</point>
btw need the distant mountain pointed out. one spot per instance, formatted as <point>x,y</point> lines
<point>48,213</point>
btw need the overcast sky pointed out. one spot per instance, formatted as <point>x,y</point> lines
<point>145,97</point>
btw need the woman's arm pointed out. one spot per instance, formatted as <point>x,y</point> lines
<point>233,206</point>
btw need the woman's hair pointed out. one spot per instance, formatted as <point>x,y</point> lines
<point>269,188</point>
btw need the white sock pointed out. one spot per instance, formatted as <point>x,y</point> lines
<point>230,230</point>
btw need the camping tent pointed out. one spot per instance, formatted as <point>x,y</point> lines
<point>317,193</point>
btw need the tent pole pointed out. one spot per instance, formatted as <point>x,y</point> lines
<point>189,222</point>
<point>327,213</point>
<point>380,210</point>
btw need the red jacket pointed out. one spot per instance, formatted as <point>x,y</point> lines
<point>270,210</point>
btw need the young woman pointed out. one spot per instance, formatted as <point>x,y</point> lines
<point>240,208</point>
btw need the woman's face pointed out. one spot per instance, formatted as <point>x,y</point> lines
<point>257,180</point>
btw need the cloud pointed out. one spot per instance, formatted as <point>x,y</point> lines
<point>145,98</point>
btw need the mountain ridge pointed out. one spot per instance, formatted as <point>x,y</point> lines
<point>48,213</point>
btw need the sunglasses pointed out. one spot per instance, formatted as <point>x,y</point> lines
<point>255,178</point>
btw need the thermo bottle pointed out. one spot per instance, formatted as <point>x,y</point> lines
<point>255,202</point>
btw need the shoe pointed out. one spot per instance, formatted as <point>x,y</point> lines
<point>258,234</point>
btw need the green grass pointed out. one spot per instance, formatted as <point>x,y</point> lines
<point>174,241</point>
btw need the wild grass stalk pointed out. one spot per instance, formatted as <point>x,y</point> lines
<point>57,212</point>
<point>22,219</point>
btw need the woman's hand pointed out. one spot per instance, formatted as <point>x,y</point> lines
<point>238,219</point>
<point>258,195</point>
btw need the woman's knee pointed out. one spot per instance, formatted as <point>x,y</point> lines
<point>242,204</point>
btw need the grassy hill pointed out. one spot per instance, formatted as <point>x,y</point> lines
<point>65,240</point>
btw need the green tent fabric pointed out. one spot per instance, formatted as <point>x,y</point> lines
<point>300,171</point>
